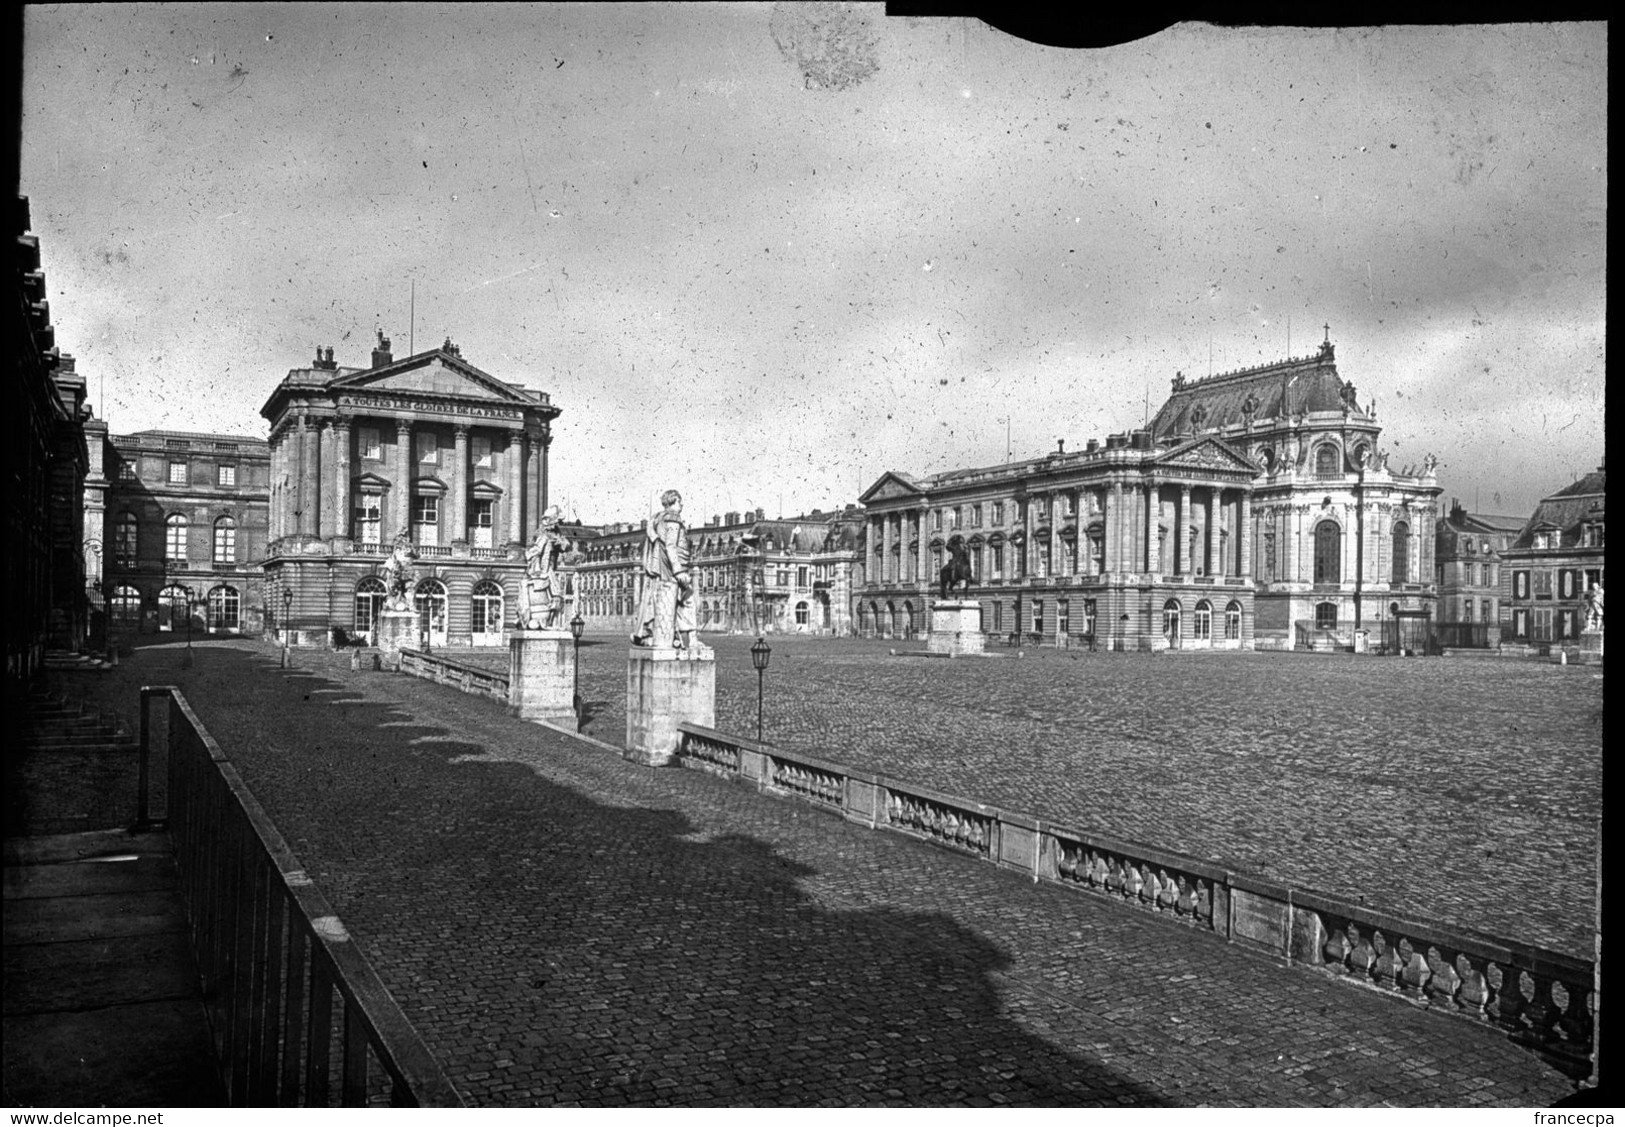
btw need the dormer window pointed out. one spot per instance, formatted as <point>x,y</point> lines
<point>1591,535</point>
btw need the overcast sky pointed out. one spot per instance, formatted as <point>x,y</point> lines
<point>764,257</point>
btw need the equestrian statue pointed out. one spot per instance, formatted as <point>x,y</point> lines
<point>956,572</point>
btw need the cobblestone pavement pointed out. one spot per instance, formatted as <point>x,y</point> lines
<point>1462,790</point>
<point>566,928</point>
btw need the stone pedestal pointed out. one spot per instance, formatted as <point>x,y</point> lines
<point>664,688</point>
<point>542,675</point>
<point>1589,651</point>
<point>956,627</point>
<point>397,629</point>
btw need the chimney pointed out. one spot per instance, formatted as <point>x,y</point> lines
<point>1094,444</point>
<point>1060,446</point>
<point>380,352</point>
<point>731,518</point>
<point>761,514</point>
<point>324,359</point>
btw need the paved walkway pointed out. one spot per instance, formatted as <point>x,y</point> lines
<point>566,928</point>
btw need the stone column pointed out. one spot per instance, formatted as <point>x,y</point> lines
<point>513,465</point>
<point>458,485</point>
<point>922,557</point>
<point>1244,518</point>
<point>310,497</point>
<point>273,530</point>
<point>1295,542</point>
<point>533,485</point>
<point>886,567</point>
<point>1182,548</point>
<point>1153,559</point>
<point>541,494</point>
<point>324,472</point>
<point>400,493</point>
<point>1214,563</point>
<point>341,478</point>
<point>1114,529</point>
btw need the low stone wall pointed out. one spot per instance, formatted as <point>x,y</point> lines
<point>1541,998</point>
<point>468,678</point>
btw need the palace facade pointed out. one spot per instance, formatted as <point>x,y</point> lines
<point>1341,544</point>
<point>1133,544</point>
<point>428,445</point>
<point>1556,558</point>
<point>751,574</point>
<point>175,531</point>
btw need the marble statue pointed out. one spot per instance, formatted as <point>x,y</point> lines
<point>542,595</point>
<point>1594,608</point>
<point>666,617</point>
<point>398,572</point>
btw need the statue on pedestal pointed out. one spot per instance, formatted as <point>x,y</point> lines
<point>1593,624</point>
<point>666,617</point>
<point>956,572</point>
<point>398,572</point>
<point>542,595</point>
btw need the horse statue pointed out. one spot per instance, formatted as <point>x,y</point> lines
<point>956,572</point>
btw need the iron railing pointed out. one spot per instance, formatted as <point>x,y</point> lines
<point>289,996</point>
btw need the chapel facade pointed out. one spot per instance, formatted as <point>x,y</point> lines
<point>429,446</point>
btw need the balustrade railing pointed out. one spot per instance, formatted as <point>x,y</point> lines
<point>292,1003</point>
<point>469,678</point>
<point>1543,999</point>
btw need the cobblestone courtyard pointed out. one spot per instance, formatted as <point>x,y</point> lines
<point>1462,790</point>
<point>564,927</point>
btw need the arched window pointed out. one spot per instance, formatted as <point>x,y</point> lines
<point>1326,460</point>
<point>1232,622</point>
<point>126,603</point>
<point>1325,616</point>
<point>370,594</point>
<point>1170,619</point>
<point>225,540</point>
<point>801,614</point>
<point>430,601</point>
<point>1402,552</point>
<point>487,613</point>
<point>1202,622</point>
<point>225,608</point>
<point>126,539</point>
<point>175,537</point>
<point>174,605</point>
<point>1328,552</point>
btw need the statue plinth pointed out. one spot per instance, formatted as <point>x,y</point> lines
<point>1589,650</point>
<point>664,688</point>
<point>397,630</point>
<point>542,675</point>
<point>956,627</point>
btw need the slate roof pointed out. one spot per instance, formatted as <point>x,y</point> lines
<point>1567,509</point>
<point>1280,390</point>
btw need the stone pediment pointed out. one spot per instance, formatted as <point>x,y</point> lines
<point>436,374</point>
<point>1205,454</point>
<point>892,486</point>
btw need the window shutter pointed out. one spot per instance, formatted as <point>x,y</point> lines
<point>1520,584</point>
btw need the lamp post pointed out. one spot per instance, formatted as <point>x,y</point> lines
<point>186,658</point>
<point>577,626</point>
<point>759,653</point>
<point>287,611</point>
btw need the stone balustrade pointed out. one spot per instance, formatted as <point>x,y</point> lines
<point>1544,1000</point>
<point>444,671</point>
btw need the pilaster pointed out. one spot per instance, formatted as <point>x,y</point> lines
<point>1182,544</point>
<point>324,469</point>
<point>458,532</point>
<point>341,478</point>
<point>400,493</point>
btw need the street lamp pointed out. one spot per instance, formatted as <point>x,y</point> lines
<point>186,658</point>
<point>759,653</point>
<point>577,625</point>
<point>287,612</point>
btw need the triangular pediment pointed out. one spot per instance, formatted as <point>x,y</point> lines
<point>891,486</point>
<point>439,374</point>
<point>1206,454</point>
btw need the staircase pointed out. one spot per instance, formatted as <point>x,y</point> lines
<point>86,762</point>
<point>67,659</point>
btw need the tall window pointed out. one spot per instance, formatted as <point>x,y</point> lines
<point>1326,460</point>
<point>487,607</point>
<point>1325,616</point>
<point>126,536</point>
<point>1170,619</point>
<point>426,519</point>
<point>175,529</point>
<point>976,516</point>
<point>368,444</point>
<point>801,614</point>
<point>177,473</point>
<point>801,576</point>
<point>1402,552</point>
<point>1543,584</point>
<point>936,519</point>
<point>126,604</point>
<point>225,608</point>
<point>998,512</point>
<point>369,521</point>
<point>1063,616</point>
<point>1328,552</point>
<point>370,594</point>
<point>1089,617</point>
<point>998,561</point>
<point>225,540</point>
<point>1540,629</point>
<point>1202,622</point>
<point>998,617</point>
<point>481,517</point>
<point>480,449</point>
<point>1232,622</point>
<point>430,601</point>
<point>428,447</point>
<point>225,475</point>
<point>1038,616</point>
